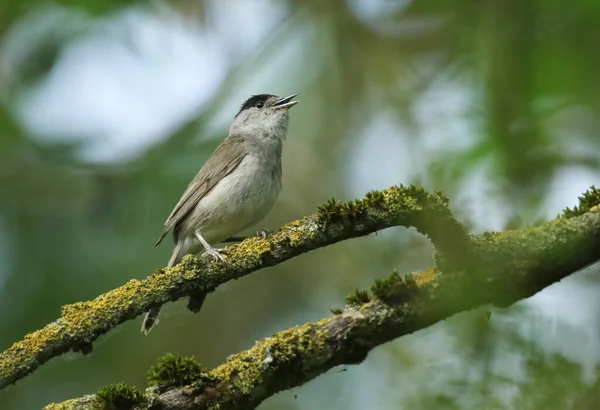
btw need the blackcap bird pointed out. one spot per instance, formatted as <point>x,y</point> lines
<point>235,188</point>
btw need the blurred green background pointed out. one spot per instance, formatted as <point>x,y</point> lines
<point>108,109</point>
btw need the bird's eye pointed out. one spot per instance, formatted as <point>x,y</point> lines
<point>260,104</point>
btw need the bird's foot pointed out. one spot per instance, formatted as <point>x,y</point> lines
<point>264,233</point>
<point>217,254</point>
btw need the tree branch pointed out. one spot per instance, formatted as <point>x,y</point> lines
<point>519,264</point>
<point>83,322</point>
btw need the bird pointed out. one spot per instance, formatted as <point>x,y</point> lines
<point>236,187</point>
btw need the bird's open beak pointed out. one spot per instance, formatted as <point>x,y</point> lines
<point>285,102</point>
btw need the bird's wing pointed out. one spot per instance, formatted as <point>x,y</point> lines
<point>225,159</point>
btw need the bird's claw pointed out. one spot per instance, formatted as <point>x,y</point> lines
<point>263,234</point>
<point>217,254</point>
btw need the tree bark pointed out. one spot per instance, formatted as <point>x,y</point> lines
<point>471,270</point>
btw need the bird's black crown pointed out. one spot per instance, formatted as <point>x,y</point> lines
<point>251,102</point>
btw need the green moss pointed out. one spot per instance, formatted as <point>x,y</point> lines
<point>375,197</point>
<point>383,287</point>
<point>358,297</point>
<point>589,200</point>
<point>329,209</point>
<point>334,210</point>
<point>445,200</point>
<point>117,397</point>
<point>395,288</point>
<point>388,203</point>
<point>337,311</point>
<point>171,370</point>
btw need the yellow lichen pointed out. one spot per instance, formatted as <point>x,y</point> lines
<point>293,224</point>
<point>426,277</point>
<point>251,247</point>
<point>243,371</point>
<point>65,405</point>
<point>27,349</point>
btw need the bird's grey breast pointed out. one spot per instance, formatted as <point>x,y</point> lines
<point>244,197</point>
<point>259,179</point>
<point>264,161</point>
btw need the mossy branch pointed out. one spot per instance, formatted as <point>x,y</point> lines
<point>82,323</point>
<point>521,263</point>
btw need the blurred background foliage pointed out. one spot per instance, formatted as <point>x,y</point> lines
<point>108,109</point>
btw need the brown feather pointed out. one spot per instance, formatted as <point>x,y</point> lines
<point>221,163</point>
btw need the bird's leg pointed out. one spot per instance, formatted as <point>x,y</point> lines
<point>215,253</point>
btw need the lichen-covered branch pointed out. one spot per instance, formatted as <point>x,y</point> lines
<point>519,264</point>
<point>82,323</point>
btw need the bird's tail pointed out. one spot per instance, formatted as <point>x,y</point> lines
<point>152,315</point>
